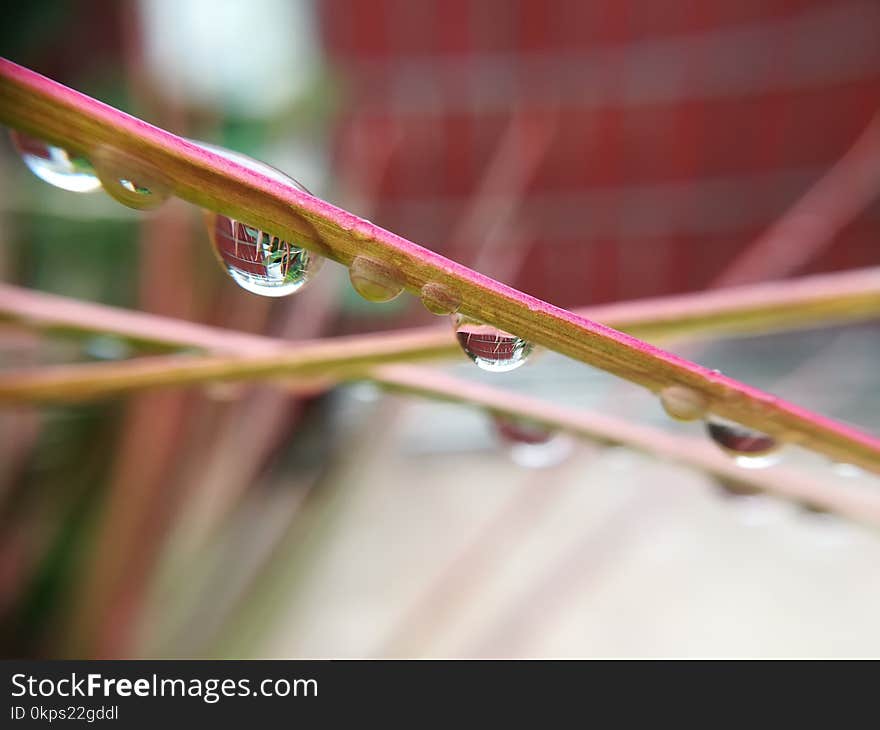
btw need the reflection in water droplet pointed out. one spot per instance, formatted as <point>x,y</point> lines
<point>489,347</point>
<point>55,165</point>
<point>258,261</point>
<point>129,179</point>
<point>440,299</point>
<point>531,444</point>
<point>133,187</point>
<point>751,449</point>
<point>374,280</point>
<point>682,403</point>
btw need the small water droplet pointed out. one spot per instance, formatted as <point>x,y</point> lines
<point>374,280</point>
<point>55,165</point>
<point>440,299</point>
<point>129,179</point>
<point>532,444</point>
<point>682,403</point>
<point>490,348</point>
<point>751,449</point>
<point>256,260</point>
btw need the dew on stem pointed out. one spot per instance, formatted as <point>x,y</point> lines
<point>490,348</point>
<point>256,260</point>
<point>55,165</point>
<point>682,403</point>
<point>373,280</point>
<point>751,449</point>
<point>129,179</point>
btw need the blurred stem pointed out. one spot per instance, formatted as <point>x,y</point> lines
<point>853,295</point>
<point>853,502</point>
<point>76,122</point>
<point>748,310</point>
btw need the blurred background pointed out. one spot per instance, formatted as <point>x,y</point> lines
<point>584,152</point>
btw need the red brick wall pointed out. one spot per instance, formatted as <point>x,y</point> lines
<point>679,130</point>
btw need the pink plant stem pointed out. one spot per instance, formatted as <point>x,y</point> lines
<point>72,120</point>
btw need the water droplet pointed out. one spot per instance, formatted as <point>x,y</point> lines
<point>374,280</point>
<point>130,180</point>
<point>440,299</point>
<point>682,403</point>
<point>751,449</point>
<point>490,348</point>
<point>532,444</point>
<point>55,165</point>
<point>256,260</point>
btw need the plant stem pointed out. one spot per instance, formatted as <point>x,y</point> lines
<point>83,125</point>
<point>750,310</point>
<point>765,307</point>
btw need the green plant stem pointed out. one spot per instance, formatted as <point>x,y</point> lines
<point>819,300</point>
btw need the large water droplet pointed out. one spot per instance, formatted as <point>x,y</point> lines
<point>682,403</point>
<point>751,449</point>
<point>258,261</point>
<point>55,165</point>
<point>374,280</point>
<point>532,444</point>
<point>490,348</point>
<point>439,299</point>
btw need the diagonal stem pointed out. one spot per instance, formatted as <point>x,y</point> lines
<point>74,121</point>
